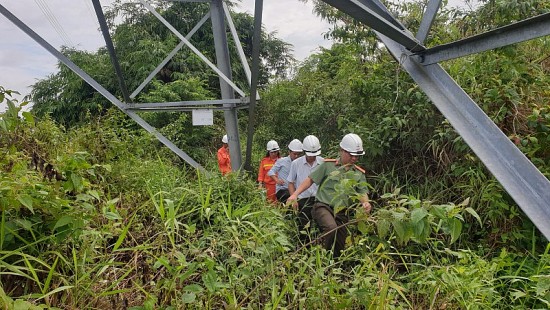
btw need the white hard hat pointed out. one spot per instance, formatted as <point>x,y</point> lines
<point>352,144</point>
<point>295,145</point>
<point>311,146</point>
<point>224,139</point>
<point>272,146</point>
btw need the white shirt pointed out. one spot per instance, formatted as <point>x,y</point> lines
<point>299,171</point>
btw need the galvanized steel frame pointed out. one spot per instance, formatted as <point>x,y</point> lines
<point>524,30</point>
<point>111,49</point>
<point>227,103</point>
<point>519,177</point>
<point>217,16</point>
<point>88,79</point>
<point>258,12</point>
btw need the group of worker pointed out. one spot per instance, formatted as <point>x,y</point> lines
<point>315,187</point>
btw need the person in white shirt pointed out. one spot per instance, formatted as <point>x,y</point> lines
<point>300,169</point>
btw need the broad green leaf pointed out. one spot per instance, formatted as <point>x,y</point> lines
<point>439,211</point>
<point>417,215</point>
<point>209,279</point>
<point>409,232</point>
<point>25,224</point>
<point>418,229</point>
<point>456,228</point>
<point>162,261</point>
<point>21,305</point>
<point>94,194</point>
<point>150,303</point>
<point>383,228</point>
<point>26,200</point>
<point>107,167</point>
<point>64,220</point>
<point>517,294</point>
<point>28,118</point>
<point>399,216</point>
<point>188,298</point>
<point>84,197</point>
<point>112,215</point>
<point>399,229</point>
<point>112,202</point>
<point>465,202</point>
<point>193,288</point>
<point>426,232</point>
<point>362,226</point>
<point>76,181</point>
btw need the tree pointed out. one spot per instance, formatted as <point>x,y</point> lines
<point>141,42</point>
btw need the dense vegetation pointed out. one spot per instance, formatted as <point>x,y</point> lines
<point>96,214</point>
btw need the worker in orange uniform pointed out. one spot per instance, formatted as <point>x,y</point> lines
<point>265,165</point>
<point>224,161</point>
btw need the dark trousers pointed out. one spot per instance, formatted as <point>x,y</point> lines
<point>282,195</point>
<point>305,205</point>
<point>324,216</point>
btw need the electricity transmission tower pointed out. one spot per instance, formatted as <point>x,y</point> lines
<point>519,177</point>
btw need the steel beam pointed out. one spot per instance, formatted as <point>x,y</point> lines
<point>122,106</point>
<point>192,47</point>
<point>230,102</point>
<point>519,177</point>
<point>184,109</point>
<point>359,10</point>
<point>170,56</point>
<point>258,9</point>
<point>111,49</point>
<point>224,65</point>
<point>427,20</point>
<point>179,109</point>
<point>238,45</point>
<point>524,30</point>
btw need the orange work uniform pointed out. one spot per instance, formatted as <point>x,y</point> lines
<point>269,183</point>
<point>224,161</point>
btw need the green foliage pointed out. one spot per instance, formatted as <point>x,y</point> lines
<point>125,225</point>
<point>120,223</point>
<point>406,218</point>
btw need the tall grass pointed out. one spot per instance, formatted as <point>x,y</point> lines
<point>133,229</point>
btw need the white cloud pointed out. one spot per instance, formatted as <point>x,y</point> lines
<point>294,22</point>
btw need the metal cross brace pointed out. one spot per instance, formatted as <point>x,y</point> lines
<point>519,177</point>
<point>121,105</point>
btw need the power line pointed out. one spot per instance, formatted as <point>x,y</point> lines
<point>54,22</point>
<point>90,11</point>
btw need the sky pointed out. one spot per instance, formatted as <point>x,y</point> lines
<point>73,23</point>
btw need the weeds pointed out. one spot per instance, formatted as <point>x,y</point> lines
<point>129,229</point>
